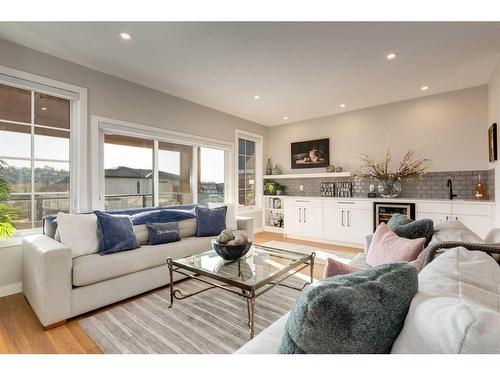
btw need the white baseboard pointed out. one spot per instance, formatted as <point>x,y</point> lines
<point>9,289</point>
<point>259,229</point>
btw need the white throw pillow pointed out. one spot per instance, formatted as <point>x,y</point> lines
<point>141,232</point>
<point>457,307</point>
<point>231,222</point>
<point>79,233</point>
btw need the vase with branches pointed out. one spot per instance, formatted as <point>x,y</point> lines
<point>408,169</point>
<point>7,214</point>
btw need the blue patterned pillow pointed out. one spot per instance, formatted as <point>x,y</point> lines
<point>163,233</point>
<point>211,221</point>
<point>116,233</point>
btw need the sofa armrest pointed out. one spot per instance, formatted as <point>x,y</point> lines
<point>47,266</point>
<point>246,224</point>
<point>368,241</point>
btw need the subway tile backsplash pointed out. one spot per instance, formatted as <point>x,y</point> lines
<point>433,185</point>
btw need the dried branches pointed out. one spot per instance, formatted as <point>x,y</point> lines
<point>408,169</point>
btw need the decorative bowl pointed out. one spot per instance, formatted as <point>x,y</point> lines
<point>231,252</point>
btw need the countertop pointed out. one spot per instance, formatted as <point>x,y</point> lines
<point>379,199</point>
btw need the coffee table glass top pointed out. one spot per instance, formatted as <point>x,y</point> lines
<point>258,267</point>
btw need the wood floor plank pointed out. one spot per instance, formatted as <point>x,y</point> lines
<point>21,331</point>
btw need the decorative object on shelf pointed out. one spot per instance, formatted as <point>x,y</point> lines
<point>269,167</point>
<point>330,169</point>
<point>480,192</point>
<point>231,247</point>
<point>389,181</point>
<point>339,169</point>
<point>276,170</point>
<point>277,203</point>
<point>343,189</point>
<point>371,191</point>
<point>280,190</point>
<point>8,215</point>
<point>310,154</point>
<point>327,189</point>
<point>270,188</point>
<point>492,142</point>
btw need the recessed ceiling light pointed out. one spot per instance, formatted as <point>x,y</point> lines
<point>125,35</point>
<point>256,97</point>
<point>43,108</point>
<point>285,118</point>
<point>392,56</point>
<point>424,88</point>
<point>342,105</point>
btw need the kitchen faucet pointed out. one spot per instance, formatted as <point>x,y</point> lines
<point>449,184</point>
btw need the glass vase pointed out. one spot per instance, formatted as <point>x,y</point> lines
<point>389,189</point>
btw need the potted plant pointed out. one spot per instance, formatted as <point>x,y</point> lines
<point>389,181</point>
<point>7,214</point>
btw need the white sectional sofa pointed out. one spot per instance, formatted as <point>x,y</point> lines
<point>456,309</point>
<point>59,286</point>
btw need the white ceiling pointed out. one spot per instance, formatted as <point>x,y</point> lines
<point>300,70</point>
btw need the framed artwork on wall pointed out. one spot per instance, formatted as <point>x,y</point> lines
<point>492,142</point>
<point>310,154</point>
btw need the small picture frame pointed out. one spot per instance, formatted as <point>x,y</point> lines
<point>492,143</point>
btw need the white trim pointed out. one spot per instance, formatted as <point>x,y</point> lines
<point>100,124</point>
<point>79,122</point>
<point>7,290</point>
<point>259,141</point>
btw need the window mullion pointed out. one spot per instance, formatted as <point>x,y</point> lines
<point>156,183</point>
<point>195,173</point>
<point>32,200</point>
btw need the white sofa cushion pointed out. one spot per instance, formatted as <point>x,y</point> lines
<point>79,233</point>
<point>94,268</point>
<point>457,307</point>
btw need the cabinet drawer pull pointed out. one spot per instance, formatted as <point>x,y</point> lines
<point>348,218</point>
<point>304,214</point>
<point>342,217</point>
<point>301,201</point>
<point>300,215</point>
<point>345,202</point>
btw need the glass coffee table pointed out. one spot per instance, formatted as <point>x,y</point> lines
<point>260,270</point>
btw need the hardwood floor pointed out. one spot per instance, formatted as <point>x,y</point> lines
<point>21,332</point>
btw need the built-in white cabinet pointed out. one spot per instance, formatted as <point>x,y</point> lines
<point>476,216</point>
<point>347,221</point>
<point>303,218</point>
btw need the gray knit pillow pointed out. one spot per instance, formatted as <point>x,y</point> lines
<point>362,312</point>
<point>411,229</point>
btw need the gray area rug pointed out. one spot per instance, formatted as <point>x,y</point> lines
<point>211,322</point>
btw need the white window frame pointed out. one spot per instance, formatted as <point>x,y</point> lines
<point>77,95</point>
<point>258,139</point>
<point>101,125</point>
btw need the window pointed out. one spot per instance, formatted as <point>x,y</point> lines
<point>128,172</point>
<point>211,172</point>
<point>249,170</point>
<point>174,174</point>
<point>35,146</point>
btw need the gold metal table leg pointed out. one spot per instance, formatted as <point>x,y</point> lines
<point>171,274</point>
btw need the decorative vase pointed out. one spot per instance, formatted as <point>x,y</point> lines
<point>276,170</point>
<point>269,167</point>
<point>389,188</point>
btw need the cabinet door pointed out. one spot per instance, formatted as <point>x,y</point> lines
<point>293,220</point>
<point>480,225</point>
<point>312,222</point>
<point>334,224</point>
<point>437,218</point>
<point>359,224</point>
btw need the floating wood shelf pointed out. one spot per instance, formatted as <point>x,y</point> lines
<point>307,175</point>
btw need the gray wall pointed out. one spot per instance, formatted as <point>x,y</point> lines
<point>116,98</point>
<point>448,129</point>
<point>494,116</point>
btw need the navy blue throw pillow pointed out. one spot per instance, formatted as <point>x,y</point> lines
<point>163,233</point>
<point>211,221</point>
<point>116,233</point>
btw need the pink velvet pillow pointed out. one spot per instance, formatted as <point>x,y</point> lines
<point>334,267</point>
<point>388,247</point>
